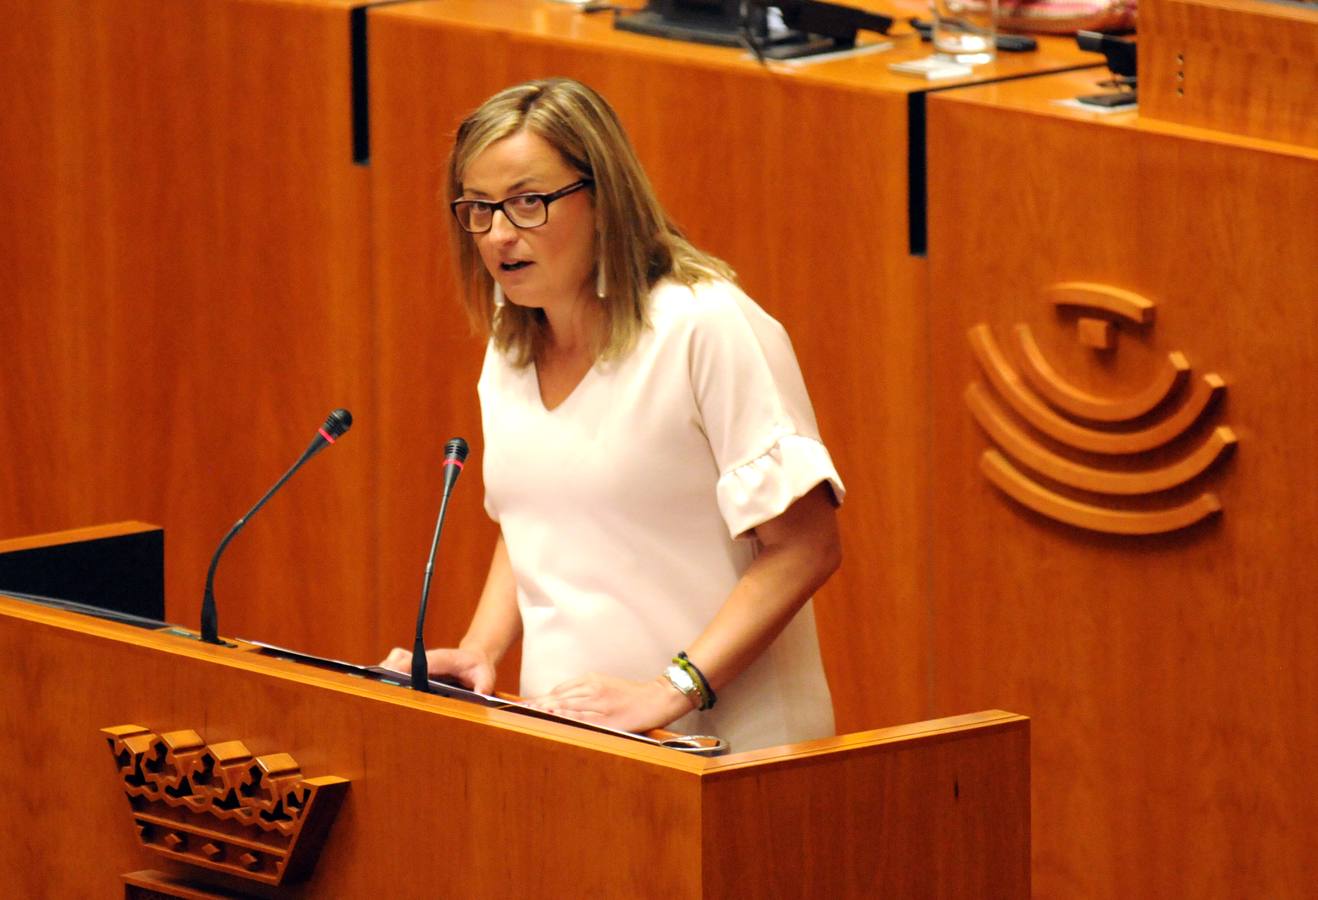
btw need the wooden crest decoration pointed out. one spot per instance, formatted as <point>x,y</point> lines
<point>217,806</point>
<point>1097,462</point>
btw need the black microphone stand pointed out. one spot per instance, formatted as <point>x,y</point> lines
<point>455,455</point>
<point>338,422</point>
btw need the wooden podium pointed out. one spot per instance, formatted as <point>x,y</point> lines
<point>446,798</point>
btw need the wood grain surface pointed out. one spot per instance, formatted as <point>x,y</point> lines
<point>1171,677</point>
<point>1246,67</point>
<point>451,798</point>
<point>187,296</point>
<point>196,273</point>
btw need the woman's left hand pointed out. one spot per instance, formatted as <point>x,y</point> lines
<point>615,702</point>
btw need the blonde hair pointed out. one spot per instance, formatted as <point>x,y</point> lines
<point>634,238</point>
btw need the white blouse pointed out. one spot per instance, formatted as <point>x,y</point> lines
<point>628,509</point>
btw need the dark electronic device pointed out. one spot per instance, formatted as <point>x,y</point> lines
<point>1119,53</point>
<point>1121,60</point>
<point>831,20</point>
<point>701,21</point>
<point>1112,100</point>
<point>812,26</point>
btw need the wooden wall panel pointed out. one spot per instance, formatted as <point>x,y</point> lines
<point>187,296</point>
<point>1247,67</point>
<point>1171,678</point>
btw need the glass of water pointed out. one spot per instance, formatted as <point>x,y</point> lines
<point>964,30</point>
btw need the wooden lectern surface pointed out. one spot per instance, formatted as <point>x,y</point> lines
<point>471,802</point>
<point>74,535</point>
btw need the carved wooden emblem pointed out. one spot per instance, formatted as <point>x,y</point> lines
<point>1032,414</point>
<point>219,807</point>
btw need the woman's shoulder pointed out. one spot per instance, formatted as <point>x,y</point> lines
<point>708,303</point>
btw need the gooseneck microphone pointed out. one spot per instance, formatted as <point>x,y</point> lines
<point>335,426</point>
<point>455,456</point>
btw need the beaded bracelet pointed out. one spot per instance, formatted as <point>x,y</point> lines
<point>707,696</point>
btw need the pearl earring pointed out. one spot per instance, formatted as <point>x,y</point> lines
<point>498,295</point>
<point>601,286</point>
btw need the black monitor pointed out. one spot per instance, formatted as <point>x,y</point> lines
<point>773,28</point>
<point>702,21</point>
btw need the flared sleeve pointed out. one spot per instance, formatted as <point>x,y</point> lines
<point>754,410</point>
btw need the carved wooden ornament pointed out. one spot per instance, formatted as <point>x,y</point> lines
<point>219,807</point>
<point>1017,407</point>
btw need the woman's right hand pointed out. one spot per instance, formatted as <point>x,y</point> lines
<point>471,667</point>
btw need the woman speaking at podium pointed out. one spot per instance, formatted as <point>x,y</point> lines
<point>666,507</point>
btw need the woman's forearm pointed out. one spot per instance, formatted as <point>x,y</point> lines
<point>800,550</point>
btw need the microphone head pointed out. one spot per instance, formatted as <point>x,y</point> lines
<point>338,422</point>
<point>456,450</point>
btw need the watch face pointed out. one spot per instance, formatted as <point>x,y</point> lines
<point>682,680</point>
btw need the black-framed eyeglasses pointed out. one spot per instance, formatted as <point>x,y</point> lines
<point>523,210</point>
